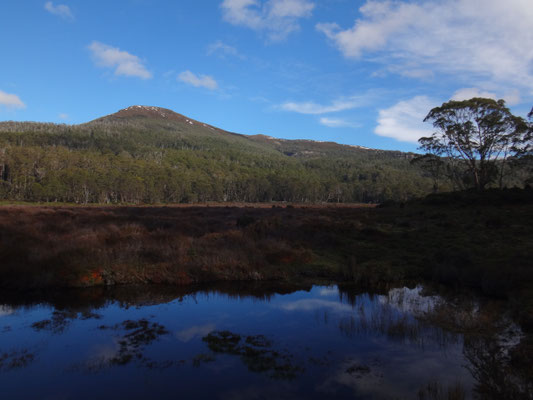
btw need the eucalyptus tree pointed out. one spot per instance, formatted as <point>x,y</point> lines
<point>477,135</point>
<point>523,149</point>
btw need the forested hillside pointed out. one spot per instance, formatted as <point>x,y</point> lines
<point>153,155</point>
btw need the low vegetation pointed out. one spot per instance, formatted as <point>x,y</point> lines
<point>480,241</point>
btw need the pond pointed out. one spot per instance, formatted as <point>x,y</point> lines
<point>245,341</point>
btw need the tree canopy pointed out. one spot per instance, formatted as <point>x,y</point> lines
<point>478,136</point>
<point>153,161</point>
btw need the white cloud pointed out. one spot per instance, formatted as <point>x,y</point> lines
<point>278,18</point>
<point>205,81</point>
<point>314,108</point>
<point>511,98</point>
<point>124,63</point>
<point>468,93</point>
<point>483,40</point>
<point>337,123</point>
<point>60,10</point>
<point>290,8</point>
<point>63,116</point>
<point>10,100</point>
<point>404,120</point>
<point>223,49</point>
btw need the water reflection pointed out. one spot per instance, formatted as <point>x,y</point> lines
<point>309,342</point>
<point>61,319</point>
<point>492,368</point>
<point>15,359</point>
<point>195,331</point>
<point>5,310</point>
<point>256,352</point>
<point>438,391</point>
<point>138,335</point>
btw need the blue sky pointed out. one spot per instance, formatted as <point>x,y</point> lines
<point>351,71</point>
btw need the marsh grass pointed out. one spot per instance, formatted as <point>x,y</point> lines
<point>469,240</point>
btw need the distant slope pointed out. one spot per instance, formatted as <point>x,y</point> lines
<point>135,115</point>
<point>151,154</point>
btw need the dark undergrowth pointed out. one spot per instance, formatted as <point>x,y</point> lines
<point>480,241</point>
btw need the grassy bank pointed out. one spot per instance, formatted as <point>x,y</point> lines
<point>482,241</point>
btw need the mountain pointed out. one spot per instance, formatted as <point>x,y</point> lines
<point>149,114</point>
<point>157,117</point>
<point>151,154</point>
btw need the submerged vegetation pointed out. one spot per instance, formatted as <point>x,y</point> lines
<point>256,352</point>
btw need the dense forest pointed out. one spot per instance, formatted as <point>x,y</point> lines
<point>153,155</point>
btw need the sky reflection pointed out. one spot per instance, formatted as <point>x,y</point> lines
<point>320,342</point>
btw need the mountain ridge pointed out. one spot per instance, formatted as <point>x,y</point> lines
<point>168,115</point>
<point>149,112</point>
<point>146,154</point>
<point>161,116</point>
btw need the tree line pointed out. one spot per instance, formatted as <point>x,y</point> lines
<point>140,164</point>
<point>478,143</point>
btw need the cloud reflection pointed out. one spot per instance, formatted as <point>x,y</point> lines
<point>188,334</point>
<point>5,310</point>
<point>315,304</point>
<point>329,291</point>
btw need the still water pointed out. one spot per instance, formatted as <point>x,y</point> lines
<point>232,342</point>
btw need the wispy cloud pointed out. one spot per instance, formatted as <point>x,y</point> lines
<point>404,120</point>
<point>63,116</point>
<point>337,123</point>
<point>204,81</point>
<point>511,97</point>
<point>310,107</point>
<point>61,10</point>
<point>277,18</point>
<point>10,100</point>
<point>222,50</point>
<point>468,93</point>
<point>124,63</point>
<point>483,40</point>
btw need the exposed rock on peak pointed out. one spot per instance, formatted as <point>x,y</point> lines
<point>148,113</point>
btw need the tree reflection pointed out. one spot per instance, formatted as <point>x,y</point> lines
<point>438,391</point>
<point>498,353</point>
<point>398,315</point>
<point>491,366</point>
<point>492,344</point>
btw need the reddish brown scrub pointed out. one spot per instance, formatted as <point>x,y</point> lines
<point>86,246</point>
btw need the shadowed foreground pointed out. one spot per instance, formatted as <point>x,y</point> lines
<point>465,240</point>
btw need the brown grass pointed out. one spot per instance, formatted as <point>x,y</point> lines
<point>470,240</point>
<point>85,246</point>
